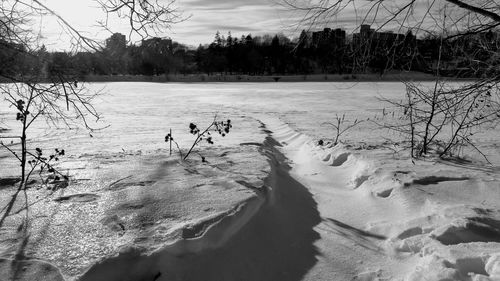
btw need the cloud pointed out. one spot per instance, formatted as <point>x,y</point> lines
<point>238,16</point>
<point>224,4</point>
<point>232,28</point>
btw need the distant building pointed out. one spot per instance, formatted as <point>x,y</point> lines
<point>160,45</point>
<point>116,44</point>
<point>369,35</point>
<point>335,38</point>
<point>389,37</point>
<point>365,30</point>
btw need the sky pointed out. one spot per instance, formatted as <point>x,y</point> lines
<point>238,16</point>
<point>203,18</point>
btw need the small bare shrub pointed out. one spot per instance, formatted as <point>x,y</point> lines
<point>220,127</point>
<point>341,126</point>
<point>443,119</point>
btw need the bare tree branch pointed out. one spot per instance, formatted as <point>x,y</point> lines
<point>475,9</point>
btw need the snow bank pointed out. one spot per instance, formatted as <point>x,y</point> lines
<point>431,221</point>
<point>268,238</point>
<point>137,204</point>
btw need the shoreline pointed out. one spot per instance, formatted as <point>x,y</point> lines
<point>204,78</point>
<point>245,78</point>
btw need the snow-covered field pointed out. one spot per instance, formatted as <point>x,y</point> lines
<point>270,204</point>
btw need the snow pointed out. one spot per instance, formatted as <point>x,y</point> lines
<point>429,221</point>
<point>271,203</point>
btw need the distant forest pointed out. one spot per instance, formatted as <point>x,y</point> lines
<point>328,51</point>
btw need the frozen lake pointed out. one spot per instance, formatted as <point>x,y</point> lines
<point>137,116</point>
<point>140,114</point>
<point>142,110</point>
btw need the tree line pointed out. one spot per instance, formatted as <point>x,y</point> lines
<point>322,52</point>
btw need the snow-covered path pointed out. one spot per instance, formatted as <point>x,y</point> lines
<point>344,246</point>
<point>270,238</point>
<point>380,221</point>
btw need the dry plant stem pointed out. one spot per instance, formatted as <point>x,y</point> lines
<point>338,127</point>
<point>23,142</point>
<point>179,149</point>
<point>426,141</point>
<point>11,151</point>
<point>458,129</point>
<point>199,137</point>
<point>41,161</point>
<point>412,128</point>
